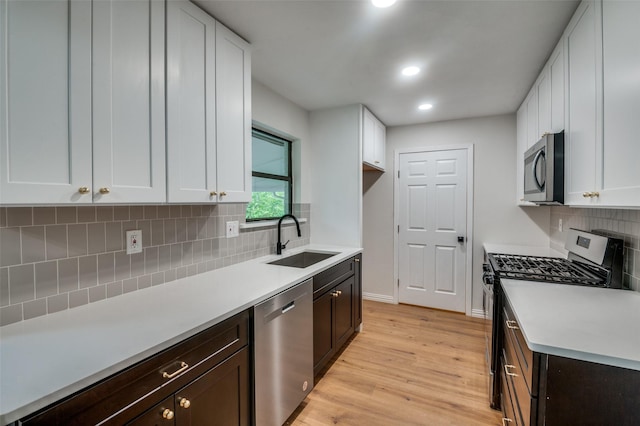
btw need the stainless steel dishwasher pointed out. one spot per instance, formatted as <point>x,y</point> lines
<point>283,327</point>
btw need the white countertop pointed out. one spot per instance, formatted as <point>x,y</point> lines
<point>591,324</point>
<point>522,250</point>
<point>47,358</point>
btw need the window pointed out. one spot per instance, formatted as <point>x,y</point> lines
<point>271,175</point>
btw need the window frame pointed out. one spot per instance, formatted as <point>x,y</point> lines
<point>283,178</point>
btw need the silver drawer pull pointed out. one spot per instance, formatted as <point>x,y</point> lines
<point>507,372</point>
<point>183,366</point>
<point>506,420</point>
<point>512,325</point>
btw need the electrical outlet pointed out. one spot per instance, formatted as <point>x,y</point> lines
<point>134,241</point>
<point>560,225</point>
<point>232,229</point>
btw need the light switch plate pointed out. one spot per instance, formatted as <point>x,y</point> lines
<point>232,229</point>
<point>134,241</point>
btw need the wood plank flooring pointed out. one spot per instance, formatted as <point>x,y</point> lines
<point>409,366</point>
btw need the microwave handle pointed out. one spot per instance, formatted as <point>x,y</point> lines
<point>539,155</point>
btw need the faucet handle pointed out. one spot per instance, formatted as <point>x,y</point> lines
<point>284,245</point>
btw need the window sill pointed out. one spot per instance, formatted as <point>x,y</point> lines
<point>269,223</point>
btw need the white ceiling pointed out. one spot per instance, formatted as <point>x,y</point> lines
<point>478,57</point>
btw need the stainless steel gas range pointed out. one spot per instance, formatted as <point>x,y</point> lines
<point>593,260</point>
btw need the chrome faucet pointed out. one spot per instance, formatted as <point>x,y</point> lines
<point>281,246</point>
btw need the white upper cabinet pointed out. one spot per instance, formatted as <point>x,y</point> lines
<point>45,101</point>
<point>532,117</point>
<point>621,109</point>
<point>522,146</point>
<point>556,67</point>
<point>233,116</point>
<point>374,135</point>
<point>128,101</point>
<point>584,99</point>
<point>191,106</point>
<point>56,83</point>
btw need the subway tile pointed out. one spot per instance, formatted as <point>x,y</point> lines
<point>150,260</point>
<point>192,270</point>
<point>121,213</point>
<point>197,251</point>
<point>164,212</point>
<point>157,278</point>
<point>106,268</point>
<point>136,212</point>
<point>114,236</point>
<point>192,229</point>
<point>181,272</point>
<point>137,264</point>
<point>46,279</point>
<point>196,210</point>
<point>86,214</point>
<point>170,275</point>
<point>176,255</point>
<point>78,298</point>
<point>77,240</point>
<point>57,303</point>
<point>34,308</point>
<point>66,215</point>
<point>206,250</point>
<point>88,271</point>
<point>181,230</point>
<point>145,227</point>
<point>3,217</point>
<point>202,228</point>
<point>123,265</point>
<point>114,289</point>
<point>19,216</point>
<point>10,252</point>
<point>207,210</point>
<point>164,258</point>
<point>176,212</point>
<point>10,314</point>
<point>186,210</point>
<point>33,247</point>
<point>4,286</point>
<point>68,275</point>
<point>104,213</point>
<point>157,232</point>
<point>150,212</point>
<point>21,284</point>
<point>169,231</point>
<point>97,293</point>
<point>212,227</point>
<point>96,242</point>
<point>44,215</point>
<point>187,253</point>
<point>144,281</point>
<point>129,285</point>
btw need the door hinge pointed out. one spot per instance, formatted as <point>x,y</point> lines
<point>398,282</point>
<point>398,174</point>
<point>398,229</point>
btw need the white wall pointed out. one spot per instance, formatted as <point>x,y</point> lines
<point>497,219</point>
<point>279,115</point>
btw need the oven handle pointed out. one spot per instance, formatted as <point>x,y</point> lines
<point>539,155</point>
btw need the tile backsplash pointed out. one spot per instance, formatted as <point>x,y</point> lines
<point>56,258</point>
<point>624,224</point>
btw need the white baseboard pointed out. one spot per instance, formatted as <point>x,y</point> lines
<point>477,313</point>
<point>377,297</point>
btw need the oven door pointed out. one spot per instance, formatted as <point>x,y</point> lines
<point>488,306</point>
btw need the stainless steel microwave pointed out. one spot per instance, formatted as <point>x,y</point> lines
<point>544,170</point>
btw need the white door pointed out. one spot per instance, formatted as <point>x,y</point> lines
<point>432,217</point>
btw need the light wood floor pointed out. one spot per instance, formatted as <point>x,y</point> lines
<point>409,366</point>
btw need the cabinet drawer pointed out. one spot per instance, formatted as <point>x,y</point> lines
<point>326,280</point>
<point>128,393</point>
<point>524,403</point>
<point>523,354</point>
<point>508,405</point>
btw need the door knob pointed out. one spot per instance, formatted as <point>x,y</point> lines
<point>460,239</point>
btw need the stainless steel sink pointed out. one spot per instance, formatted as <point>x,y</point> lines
<point>303,259</point>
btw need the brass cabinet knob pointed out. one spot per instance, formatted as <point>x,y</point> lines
<point>377,162</point>
<point>185,403</point>
<point>590,194</point>
<point>356,260</point>
<point>84,190</point>
<point>213,193</point>
<point>506,420</point>
<point>222,193</point>
<point>167,414</point>
<point>595,194</point>
<point>105,190</point>
<point>339,292</point>
<point>334,294</point>
<point>586,194</point>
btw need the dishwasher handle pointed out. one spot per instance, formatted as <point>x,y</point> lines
<point>289,306</point>
<point>272,314</point>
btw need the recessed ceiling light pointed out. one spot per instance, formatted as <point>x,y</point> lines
<point>410,71</point>
<point>383,3</point>
<point>425,107</point>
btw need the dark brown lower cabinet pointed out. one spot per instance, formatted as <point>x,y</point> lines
<point>337,309</point>
<point>203,380</point>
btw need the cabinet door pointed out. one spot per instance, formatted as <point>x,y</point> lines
<point>219,397</point>
<point>521,140</point>
<point>556,73</point>
<point>323,342</point>
<point>45,101</point>
<point>344,312</point>
<point>191,106</point>
<point>532,118</point>
<point>162,414</point>
<point>128,101</point>
<point>543,89</point>
<point>621,61</point>
<point>582,140</point>
<point>368,137</point>
<point>380,144</point>
<point>358,290</point>
<point>233,112</point>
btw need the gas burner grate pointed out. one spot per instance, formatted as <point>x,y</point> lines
<point>546,269</point>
